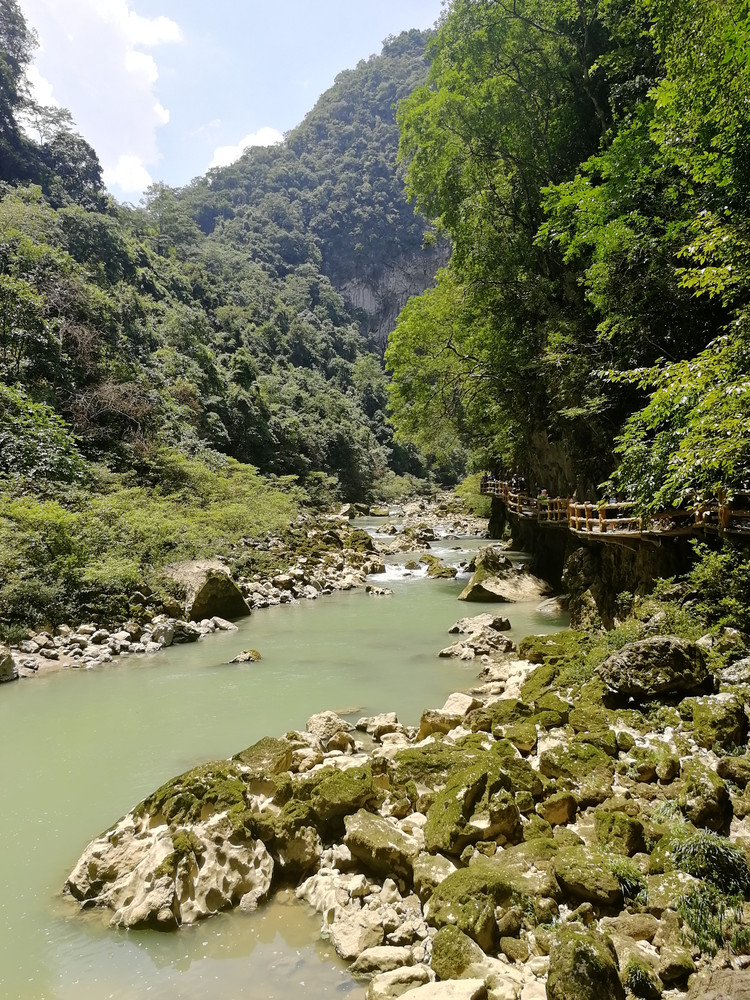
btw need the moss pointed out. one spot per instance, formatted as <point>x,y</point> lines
<point>539,681</point>
<point>342,792</point>
<point>185,844</point>
<point>211,788</point>
<point>268,756</point>
<point>575,762</point>
<point>294,815</point>
<point>618,832</point>
<point>430,765</point>
<point>453,952</point>
<point>467,899</point>
<point>475,789</point>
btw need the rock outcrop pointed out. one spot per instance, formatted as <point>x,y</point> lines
<point>8,668</point>
<point>496,579</point>
<point>208,589</point>
<point>657,666</point>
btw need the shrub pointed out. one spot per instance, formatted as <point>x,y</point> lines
<point>711,916</point>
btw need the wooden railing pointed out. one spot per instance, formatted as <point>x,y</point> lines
<point>617,519</point>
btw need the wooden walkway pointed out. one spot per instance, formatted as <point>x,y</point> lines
<point>618,521</point>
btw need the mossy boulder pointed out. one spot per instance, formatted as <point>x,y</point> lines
<point>540,681</point>
<point>704,798</point>
<point>530,868</point>
<point>602,739</point>
<point>584,875</point>
<point>476,804</point>
<point>436,568</point>
<point>430,765</point>
<point>380,845</point>
<point>453,952</point>
<point>574,761</point>
<point>504,712</point>
<point>719,721</point>
<point>618,833</point>
<point>268,756</point>
<point>341,793</point>
<point>467,899</point>
<point>216,787</point>
<point>661,665</point>
<point>735,769</point>
<point>550,710</point>
<point>583,966</point>
<point>581,767</point>
<point>523,736</point>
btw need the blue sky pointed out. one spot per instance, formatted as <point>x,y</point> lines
<point>162,89</point>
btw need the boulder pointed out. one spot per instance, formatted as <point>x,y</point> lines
<point>8,668</point>
<point>469,626</point>
<point>704,797</point>
<point>584,874</point>
<point>583,966</point>
<point>720,984</point>
<point>467,899</point>
<point>354,931</point>
<point>379,725</point>
<point>436,568</point>
<point>662,665</point>
<point>389,985</point>
<point>382,958</point>
<point>381,846</point>
<point>247,656</point>
<point>340,793</point>
<point>267,757</point>
<point>719,719</point>
<point>429,871</point>
<point>618,833</point>
<point>324,725</point>
<point>476,804</point>
<point>452,989</point>
<point>496,579</point>
<point>208,589</point>
<point>162,876</point>
<point>453,952</point>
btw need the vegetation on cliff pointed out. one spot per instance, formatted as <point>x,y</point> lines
<point>588,162</point>
<point>182,374</point>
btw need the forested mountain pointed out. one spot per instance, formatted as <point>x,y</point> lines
<point>154,360</point>
<point>589,162</point>
<point>333,182</point>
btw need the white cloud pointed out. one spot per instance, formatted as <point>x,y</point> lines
<point>135,29</point>
<point>129,174</point>
<point>142,66</point>
<point>225,155</point>
<point>41,89</point>
<point>93,52</point>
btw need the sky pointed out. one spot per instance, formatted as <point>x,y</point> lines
<point>165,89</point>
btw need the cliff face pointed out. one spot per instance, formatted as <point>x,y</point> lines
<point>592,573</point>
<point>378,294</point>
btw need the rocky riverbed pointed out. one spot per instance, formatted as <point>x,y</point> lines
<point>555,832</point>
<point>318,556</point>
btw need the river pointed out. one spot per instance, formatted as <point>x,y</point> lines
<point>83,746</point>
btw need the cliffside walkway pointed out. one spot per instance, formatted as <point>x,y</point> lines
<point>618,521</point>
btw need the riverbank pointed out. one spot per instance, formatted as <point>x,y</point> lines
<point>581,808</point>
<point>317,556</point>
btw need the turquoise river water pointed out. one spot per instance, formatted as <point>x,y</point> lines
<point>83,746</point>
